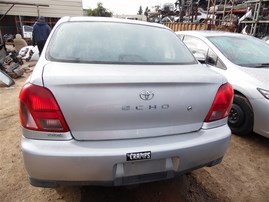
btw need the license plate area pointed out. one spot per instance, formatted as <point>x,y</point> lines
<point>145,167</point>
<point>143,171</point>
<point>136,156</point>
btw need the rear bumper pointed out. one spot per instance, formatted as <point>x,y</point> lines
<point>51,163</point>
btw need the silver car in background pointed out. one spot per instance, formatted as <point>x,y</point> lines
<point>266,39</point>
<point>118,102</point>
<point>244,60</point>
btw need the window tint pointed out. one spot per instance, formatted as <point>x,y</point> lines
<point>103,42</point>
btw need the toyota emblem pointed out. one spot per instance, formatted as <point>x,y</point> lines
<point>146,95</point>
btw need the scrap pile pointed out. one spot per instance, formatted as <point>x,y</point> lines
<point>13,64</point>
<point>243,16</point>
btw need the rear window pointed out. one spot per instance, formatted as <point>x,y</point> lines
<point>108,42</point>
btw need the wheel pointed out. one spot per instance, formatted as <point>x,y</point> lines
<point>240,118</point>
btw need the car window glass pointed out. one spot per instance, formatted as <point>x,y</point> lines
<point>103,42</point>
<point>242,50</point>
<point>196,45</point>
<point>213,59</point>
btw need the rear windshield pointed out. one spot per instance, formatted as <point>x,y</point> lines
<point>116,43</point>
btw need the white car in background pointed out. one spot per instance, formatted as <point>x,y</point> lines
<point>266,39</point>
<point>244,60</point>
<point>27,31</point>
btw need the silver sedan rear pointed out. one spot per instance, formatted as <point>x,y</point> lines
<point>120,102</point>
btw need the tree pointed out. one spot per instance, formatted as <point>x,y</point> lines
<point>146,11</point>
<point>140,11</point>
<point>99,11</point>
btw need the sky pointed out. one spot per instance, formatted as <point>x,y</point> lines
<point>128,7</point>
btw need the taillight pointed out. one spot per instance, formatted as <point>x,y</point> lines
<point>40,111</point>
<point>222,103</point>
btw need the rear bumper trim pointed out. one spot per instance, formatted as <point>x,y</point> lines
<point>119,181</point>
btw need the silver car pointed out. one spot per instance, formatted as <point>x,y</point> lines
<point>118,102</point>
<point>244,60</point>
<point>266,39</point>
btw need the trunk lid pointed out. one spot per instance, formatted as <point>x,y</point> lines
<point>101,102</point>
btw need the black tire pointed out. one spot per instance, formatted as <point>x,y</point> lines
<point>241,115</point>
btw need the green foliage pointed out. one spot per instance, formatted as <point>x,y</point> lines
<point>99,11</point>
<point>140,11</point>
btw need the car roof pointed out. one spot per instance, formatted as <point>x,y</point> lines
<point>208,33</point>
<point>110,19</point>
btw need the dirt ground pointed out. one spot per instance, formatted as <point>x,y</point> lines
<point>242,176</point>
